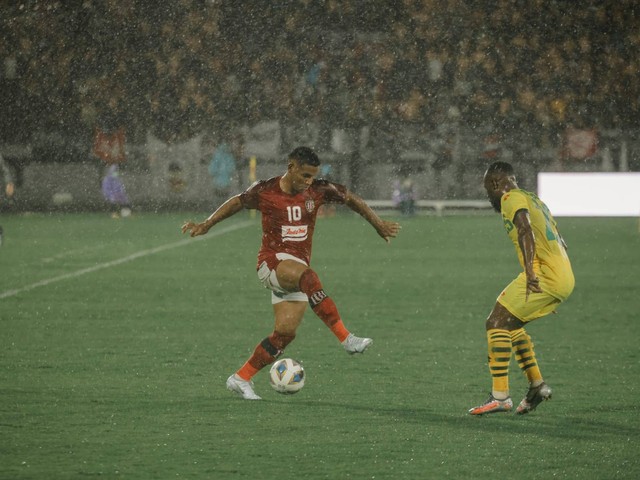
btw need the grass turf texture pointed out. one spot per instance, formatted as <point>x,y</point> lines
<point>120,371</point>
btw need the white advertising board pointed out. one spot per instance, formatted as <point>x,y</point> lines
<point>591,194</point>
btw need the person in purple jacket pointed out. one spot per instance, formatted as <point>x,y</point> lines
<point>114,193</point>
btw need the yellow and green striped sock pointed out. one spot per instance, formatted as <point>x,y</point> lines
<point>526,356</point>
<point>499,342</point>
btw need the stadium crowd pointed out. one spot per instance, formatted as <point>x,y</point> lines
<point>188,66</point>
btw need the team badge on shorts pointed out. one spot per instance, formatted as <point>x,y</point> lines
<point>310,205</point>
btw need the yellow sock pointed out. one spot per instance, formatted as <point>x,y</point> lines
<point>499,342</point>
<point>526,356</point>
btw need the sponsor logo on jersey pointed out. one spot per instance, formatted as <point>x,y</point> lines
<point>294,233</point>
<point>310,205</point>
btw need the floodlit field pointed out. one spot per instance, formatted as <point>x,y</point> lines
<point>117,336</point>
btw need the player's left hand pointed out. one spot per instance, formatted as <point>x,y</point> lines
<point>195,228</point>
<point>388,230</point>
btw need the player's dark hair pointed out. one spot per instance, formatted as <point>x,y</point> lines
<point>305,156</point>
<point>499,167</point>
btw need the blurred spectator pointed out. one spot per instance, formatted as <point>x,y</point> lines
<point>444,148</point>
<point>222,169</point>
<point>7,192</point>
<point>8,189</point>
<point>177,181</point>
<point>404,196</point>
<point>114,192</point>
<point>7,183</point>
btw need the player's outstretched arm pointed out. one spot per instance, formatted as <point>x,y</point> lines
<point>385,229</point>
<point>226,210</point>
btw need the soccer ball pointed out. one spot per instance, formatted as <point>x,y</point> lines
<point>286,376</point>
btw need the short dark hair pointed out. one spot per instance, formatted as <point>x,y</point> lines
<point>305,156</point>
<point>499,167</point>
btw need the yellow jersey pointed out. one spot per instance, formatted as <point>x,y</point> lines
<point>551,262</point>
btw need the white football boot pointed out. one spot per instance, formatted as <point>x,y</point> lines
<point>353,344</point>
<point>242,387</point>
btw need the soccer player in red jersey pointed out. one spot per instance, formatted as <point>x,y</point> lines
<point>289,204</point>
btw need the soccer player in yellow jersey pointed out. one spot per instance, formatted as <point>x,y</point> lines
<point>547,281</point>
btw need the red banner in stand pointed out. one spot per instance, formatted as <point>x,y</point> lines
<point>109,146</point>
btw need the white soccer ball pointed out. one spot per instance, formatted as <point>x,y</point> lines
<point>286,376</point>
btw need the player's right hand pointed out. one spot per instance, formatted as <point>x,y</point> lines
<point>533,285</point>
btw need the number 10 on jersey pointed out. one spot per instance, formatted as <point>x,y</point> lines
<point>294,213</point>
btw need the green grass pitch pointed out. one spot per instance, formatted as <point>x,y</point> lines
<point>116,337</point>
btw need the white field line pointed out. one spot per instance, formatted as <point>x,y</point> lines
<point>119,261</point>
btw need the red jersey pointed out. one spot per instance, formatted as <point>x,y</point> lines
<point>288,221</point>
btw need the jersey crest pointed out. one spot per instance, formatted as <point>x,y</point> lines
<point>310,205</point>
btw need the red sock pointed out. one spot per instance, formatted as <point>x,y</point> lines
<point>264,354</point>
<point>322,305</point>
